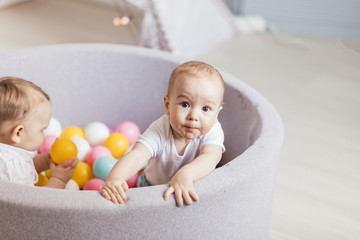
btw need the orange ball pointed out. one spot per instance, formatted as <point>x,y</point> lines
<point>82,174</point>
<point>62,150</point>
<point>48,173</point>
<point>72,131</point>
<point>117,144</point>
<point>42,180</point>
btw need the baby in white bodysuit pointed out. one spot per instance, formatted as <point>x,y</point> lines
<point>25,113</point>
<point>182,146</point>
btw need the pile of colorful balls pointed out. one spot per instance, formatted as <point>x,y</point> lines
<point>96,146</point>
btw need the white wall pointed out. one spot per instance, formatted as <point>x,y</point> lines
<point>306,17</point>
<point>5,3</point>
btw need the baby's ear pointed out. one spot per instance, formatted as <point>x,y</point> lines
<point>16,134</point>
<point>220,108</point>
<point>166,105</point>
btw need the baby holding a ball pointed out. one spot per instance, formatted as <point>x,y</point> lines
<point>25,113</point>
<point>183,145</point>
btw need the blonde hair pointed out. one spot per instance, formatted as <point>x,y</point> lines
<point>194,69</point>
<point>16,100</point>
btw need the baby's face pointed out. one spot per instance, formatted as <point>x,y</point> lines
<point>34,125</point>
<point>193,106</point>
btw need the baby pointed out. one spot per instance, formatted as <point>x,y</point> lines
<point>25,113</point>
<point>183,145</point>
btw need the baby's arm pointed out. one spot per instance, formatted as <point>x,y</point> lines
<point>115,185</point>
<point>42,162</point>
<point>182,182</point>
<point>60,174</point>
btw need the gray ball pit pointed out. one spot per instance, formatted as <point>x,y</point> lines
<point>113,83</point>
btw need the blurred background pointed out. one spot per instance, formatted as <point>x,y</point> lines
<point>302,55</point>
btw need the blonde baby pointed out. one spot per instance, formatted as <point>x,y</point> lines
<point>183,145</point>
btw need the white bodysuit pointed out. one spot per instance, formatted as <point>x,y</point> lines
<point>165,161</point>
<point>17,165</point>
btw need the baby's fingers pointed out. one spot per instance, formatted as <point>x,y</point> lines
<point>187,198</point>
<point>194,195</point>
<point>75,162</point>
<point>125,186</point>
<point>105,194</point>
<point>110,195</point>
<point>120,194</point>
<point>167,193</point>
<point>179,197</point>
<point>69,163</point>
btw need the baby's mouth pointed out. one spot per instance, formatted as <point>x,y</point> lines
<point>190,128</point>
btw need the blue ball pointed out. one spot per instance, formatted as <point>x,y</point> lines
<point>103,166</point>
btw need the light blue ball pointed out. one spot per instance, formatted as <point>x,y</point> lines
<point>103,166</point>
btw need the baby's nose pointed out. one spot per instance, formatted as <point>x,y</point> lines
<point>193,116</point>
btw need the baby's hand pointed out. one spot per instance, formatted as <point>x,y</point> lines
<point>183,188</point>
<point>63,171</point>
<point>114,190</point>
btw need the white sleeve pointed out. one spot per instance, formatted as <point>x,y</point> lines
<point>4,173</point>
<point>153,138</point>
<point>214,136</point>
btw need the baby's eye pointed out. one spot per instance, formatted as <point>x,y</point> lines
<point>206,109</point>
<point>185,104</point>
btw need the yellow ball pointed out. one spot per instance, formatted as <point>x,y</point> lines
<point>117,144</point>
<point>72,131</point>
<point>62,150</point>
<point>48,173</point>
<point>42,180</point>
<point>82,174</point>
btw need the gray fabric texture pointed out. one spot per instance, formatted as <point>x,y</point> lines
<point>114,83</point>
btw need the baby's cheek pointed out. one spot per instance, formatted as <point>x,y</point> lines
<point>204,130</point>
<point>207,127</point>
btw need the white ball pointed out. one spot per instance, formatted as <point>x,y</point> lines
<point>96,133</point>
<point>54,128</point>
<point>82,146</point>
<point>72,185</point>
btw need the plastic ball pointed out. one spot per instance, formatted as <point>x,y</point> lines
<point>133,180</point>
<point>47,143</point>
<point>42,180</point>
<point>54,127</point>
<point>72,132</point>
<point>82,146</point>
<point>72,185</point>
<point>117,143</point>
<point>62,150</point>
<point>48,173</point>
<point>103,166</point>
<point>94,184</point>
<point>96,133</point>
<point>82,174</point>
<point>95,153</point>
<point>130,130</point>
<point>139,178</point>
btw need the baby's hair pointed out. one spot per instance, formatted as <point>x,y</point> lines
<point>194,69</point>
<point>16,100</point>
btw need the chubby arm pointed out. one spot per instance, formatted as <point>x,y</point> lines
<point>42,161</point>
<point>60,174</point>
<point>182,183</point>
<point>115,185</point>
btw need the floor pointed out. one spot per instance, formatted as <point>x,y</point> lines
<point>313,82</point>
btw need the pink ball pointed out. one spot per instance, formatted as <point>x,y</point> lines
<point>47,143</point>
<point>132,181</point>
<point>95,153</point>
<point>130,130</point>
<point>94,184</point>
